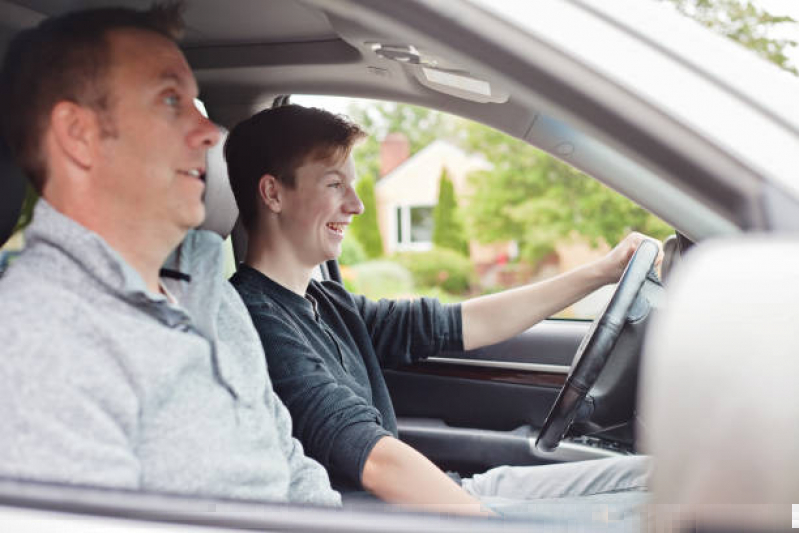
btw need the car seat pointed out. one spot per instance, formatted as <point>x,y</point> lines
<point>221,212</point>
<point>12,193</point>
<point>221,209</point>
<point>719,403</point>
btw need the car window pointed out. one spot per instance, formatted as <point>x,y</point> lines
<point>454,209</point>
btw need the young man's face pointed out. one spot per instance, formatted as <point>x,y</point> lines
<point>317,211</point>
<point>153,165</point>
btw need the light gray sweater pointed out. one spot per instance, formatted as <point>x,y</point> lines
<point>104,383</point>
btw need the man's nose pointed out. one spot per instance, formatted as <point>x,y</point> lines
<point>205,135</point>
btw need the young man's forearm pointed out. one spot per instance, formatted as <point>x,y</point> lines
<point>396,473</point>
<point>496,317</point>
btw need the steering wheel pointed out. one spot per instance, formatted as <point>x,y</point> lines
<point>595,349</point>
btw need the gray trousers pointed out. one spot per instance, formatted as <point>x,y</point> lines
<point>604,494</point>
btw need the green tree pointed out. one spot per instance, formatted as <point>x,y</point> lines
<point>421,125</point>
<point>352,252</point>
<point>537,200</point>
<point>447,226</point>
<point>530,196</point>
<point>364,227</point>
<point>744,23</point>
<point>26,214</point>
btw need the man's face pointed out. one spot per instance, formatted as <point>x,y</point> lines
<point>152,167</point>
<point>317,211</point>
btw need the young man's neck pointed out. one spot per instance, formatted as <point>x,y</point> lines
<point>279,264</point>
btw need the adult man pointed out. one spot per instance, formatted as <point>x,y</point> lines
<point>292,177</point>
<point>115,372</point>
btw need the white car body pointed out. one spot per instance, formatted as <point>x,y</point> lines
<point>686,123</point>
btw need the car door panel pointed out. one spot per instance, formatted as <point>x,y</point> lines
<point>551,342</point>
<point>473,410</point>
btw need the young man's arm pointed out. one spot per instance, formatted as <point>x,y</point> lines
<point>496,317</point>
<point>309,480</point>
<point>397,473</point>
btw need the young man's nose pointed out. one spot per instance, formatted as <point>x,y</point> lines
<point>353,205</point>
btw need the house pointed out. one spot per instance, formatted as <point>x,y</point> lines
<point>408,190</point>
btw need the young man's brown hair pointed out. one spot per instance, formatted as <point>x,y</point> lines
<point>277,141</point>
<point>66,58</point>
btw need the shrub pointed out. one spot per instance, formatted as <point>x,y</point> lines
<point>379,279</point>
<point>447,226</point>
<point>364,227</point>
<point>439,267</point>
<point>352,251</point>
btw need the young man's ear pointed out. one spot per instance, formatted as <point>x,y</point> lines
<point>271,192</point>
<point>75,130</point>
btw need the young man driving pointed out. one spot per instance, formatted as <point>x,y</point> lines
<point>293,179</point>
<point>127,360</point>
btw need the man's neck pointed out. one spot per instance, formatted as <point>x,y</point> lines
<point>279,264</point>
<point>143,247</point>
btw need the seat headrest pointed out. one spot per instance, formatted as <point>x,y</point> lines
<point>221,211</point>
<point>12,193</point>
<point>718,398</point>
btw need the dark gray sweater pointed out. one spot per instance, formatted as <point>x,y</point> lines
<point>325,356</point>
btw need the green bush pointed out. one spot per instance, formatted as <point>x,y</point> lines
<point>352,252</point>
<point>364,226</point>
<point>439,267</point>
<point>447,226</point>
<point>379,279</point>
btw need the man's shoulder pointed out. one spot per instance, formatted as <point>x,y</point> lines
<point>28,294</point>
<point>201,241</point>
<point>42,318</point>
<point>200,253</point>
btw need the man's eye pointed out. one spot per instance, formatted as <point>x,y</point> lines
<point>172,100</point>
<point>335,185</point>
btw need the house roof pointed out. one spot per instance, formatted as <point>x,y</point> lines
<point>425,161</point>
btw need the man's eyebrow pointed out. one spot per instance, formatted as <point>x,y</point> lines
<point>170,76</point>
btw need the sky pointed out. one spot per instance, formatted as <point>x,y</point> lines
<point>783,8</point>
<point>775,7</point>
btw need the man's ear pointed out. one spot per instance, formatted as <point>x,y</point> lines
<point>75,130</point>
<point>270,191</point>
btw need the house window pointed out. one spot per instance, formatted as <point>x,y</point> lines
<point>414,225</point>
<point>399,225</point>
<point>421,224</point>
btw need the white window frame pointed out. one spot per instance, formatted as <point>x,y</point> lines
<point>406,245</point>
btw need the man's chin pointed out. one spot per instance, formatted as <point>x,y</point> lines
<point>195,218</point>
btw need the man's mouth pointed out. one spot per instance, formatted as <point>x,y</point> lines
<point>194,173</point>
<point>337,227</point>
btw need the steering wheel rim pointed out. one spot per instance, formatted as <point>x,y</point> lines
<point>596,347</point>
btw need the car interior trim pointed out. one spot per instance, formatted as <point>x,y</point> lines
<point>484,373</point>
<point>525,367</point>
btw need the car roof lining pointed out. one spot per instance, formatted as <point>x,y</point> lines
<point>241,72</point>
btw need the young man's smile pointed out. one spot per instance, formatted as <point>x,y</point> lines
<point>318,210</point>
<point>338,228</point>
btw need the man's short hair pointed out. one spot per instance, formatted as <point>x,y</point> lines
<point>66,58</point>
<point>279,140</point>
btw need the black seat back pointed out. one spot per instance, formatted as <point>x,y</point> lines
<point>12,193</point>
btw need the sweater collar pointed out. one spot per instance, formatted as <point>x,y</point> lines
<point>266,286</point>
